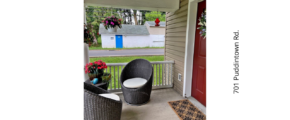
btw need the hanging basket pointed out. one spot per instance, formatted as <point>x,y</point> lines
<point>111,23</point>
<point>112,29</point>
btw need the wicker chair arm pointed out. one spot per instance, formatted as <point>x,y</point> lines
<point>94,89</point>
<point>97,107</point>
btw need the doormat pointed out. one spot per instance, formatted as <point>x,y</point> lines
<point>186,110</point>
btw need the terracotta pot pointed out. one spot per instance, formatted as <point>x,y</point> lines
<point>92,76</point>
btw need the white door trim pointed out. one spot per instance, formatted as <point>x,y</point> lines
<point>189,46</point>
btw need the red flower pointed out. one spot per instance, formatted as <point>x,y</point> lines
<point>100,64</point>
<point>91,63</point>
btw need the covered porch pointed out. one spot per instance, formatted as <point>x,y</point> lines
<point>173,76</point>
<point>162,93</point>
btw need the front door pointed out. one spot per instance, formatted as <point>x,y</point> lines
<point>119,41</point>
<point>198,90</point>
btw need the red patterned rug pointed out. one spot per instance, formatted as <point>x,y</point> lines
<point>186,110</point>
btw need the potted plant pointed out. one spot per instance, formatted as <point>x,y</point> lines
<point>96,70</point>
<point>111,23</point>
<point>88,38</point>
<point>106,78</point>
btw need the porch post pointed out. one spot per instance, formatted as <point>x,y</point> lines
<point>86,50</point>
<point>85,19</point>
<point>189,47</point>
<point>86,59</point>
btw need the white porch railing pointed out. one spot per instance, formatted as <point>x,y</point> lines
<point>162,71</point>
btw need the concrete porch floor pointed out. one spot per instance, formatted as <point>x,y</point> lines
<point>156,109</point>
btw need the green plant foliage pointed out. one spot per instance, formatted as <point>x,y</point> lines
<point>88,38</point>
<point>126,59</point>
<point>151,16</point>
<point>95,15</point>
<point>202,23</point>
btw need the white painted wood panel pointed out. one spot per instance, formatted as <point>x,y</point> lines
<point>109,41</point>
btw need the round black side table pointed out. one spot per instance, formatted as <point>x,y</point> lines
<point>100,85</point>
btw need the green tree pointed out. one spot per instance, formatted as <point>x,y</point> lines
<point>95,15</point>
<point>143,20</point>
<point>151,16</point>
<point>135,17</point>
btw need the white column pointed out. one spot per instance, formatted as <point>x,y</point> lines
<point>86,59</point>
<point>189,47</point>
<point>85,19</point>
<point>86,49</point>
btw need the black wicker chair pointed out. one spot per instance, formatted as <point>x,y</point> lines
<point>137,68</point>
<point>100,108</point>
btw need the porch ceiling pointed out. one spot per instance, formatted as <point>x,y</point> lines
<point>152,5</point>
